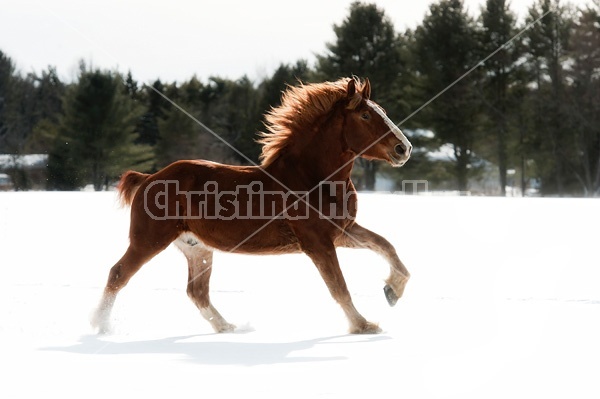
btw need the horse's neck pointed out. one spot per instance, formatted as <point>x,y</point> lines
<point>318,154</point>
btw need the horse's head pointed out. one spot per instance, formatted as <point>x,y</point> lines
<point>369,132</point>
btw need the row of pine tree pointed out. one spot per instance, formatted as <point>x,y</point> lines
<point>532,109</point>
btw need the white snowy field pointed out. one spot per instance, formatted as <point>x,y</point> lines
<point>504,302</point>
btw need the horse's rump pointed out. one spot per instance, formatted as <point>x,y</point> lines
<point>129,184</point>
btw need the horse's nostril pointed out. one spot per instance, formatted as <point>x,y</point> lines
<point>400,149</point>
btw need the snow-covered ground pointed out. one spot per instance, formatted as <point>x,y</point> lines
<point>504,302</point>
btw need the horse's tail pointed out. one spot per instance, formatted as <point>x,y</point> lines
<point>129,184</point>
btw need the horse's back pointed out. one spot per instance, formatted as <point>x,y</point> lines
<point>200,171</point>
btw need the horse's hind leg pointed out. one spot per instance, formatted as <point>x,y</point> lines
<point>359,237</point>
<point>199,267</point>
<point>120,274</point>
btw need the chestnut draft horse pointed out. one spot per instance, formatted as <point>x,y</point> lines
<point>299,199</point>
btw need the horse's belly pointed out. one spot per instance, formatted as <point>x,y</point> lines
<point>237,236</point>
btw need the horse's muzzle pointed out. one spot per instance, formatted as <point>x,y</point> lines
<point>403,150</point>
<point>400,155</point>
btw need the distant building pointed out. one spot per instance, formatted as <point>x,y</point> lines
<point>23,172</point>
<point>5,182</point>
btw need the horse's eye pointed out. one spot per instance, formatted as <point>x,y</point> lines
<point>366,116</point>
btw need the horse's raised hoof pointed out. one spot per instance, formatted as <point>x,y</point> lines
<point>390,295</point>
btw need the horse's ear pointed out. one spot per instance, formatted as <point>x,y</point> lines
<point>351,90</point>
<point>366,91</point>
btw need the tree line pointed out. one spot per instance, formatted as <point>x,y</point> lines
<point>531,110</point>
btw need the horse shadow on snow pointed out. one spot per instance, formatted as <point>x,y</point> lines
<point>194,348</point>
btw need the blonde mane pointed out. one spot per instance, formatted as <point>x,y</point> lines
<point>300,106</point>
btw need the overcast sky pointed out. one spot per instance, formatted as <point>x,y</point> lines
<point>175,39</point>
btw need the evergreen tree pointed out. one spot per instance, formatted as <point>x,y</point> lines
<point>239,117</point>
<point>583,100</point>
<point>148,124</point>
<point>229,109</point>
<point>178,132</point>
<point>49,93</point>
<point>499,26</point>
<point>182,137</point>
<point>18,115</point>
<point>131,87</point>
<point>17,108</point>
<point>271,89</point>
<point>404,97</point>
<point>7,72</point>
<point>547,48</point>
<point>96,137</point>
<point>446,46</point>
<point>367,46</point>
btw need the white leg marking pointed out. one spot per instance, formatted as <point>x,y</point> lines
<point>215,319</point>
<point>101,318</point>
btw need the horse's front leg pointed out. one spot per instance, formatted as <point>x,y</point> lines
<point>325,258</point>
<point>359,237</point>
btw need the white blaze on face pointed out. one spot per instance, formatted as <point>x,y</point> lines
<point>391,125</point>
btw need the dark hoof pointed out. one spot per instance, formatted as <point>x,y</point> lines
<point>390,295</point>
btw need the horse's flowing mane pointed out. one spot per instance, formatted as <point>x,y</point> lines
<point>300,105</point>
